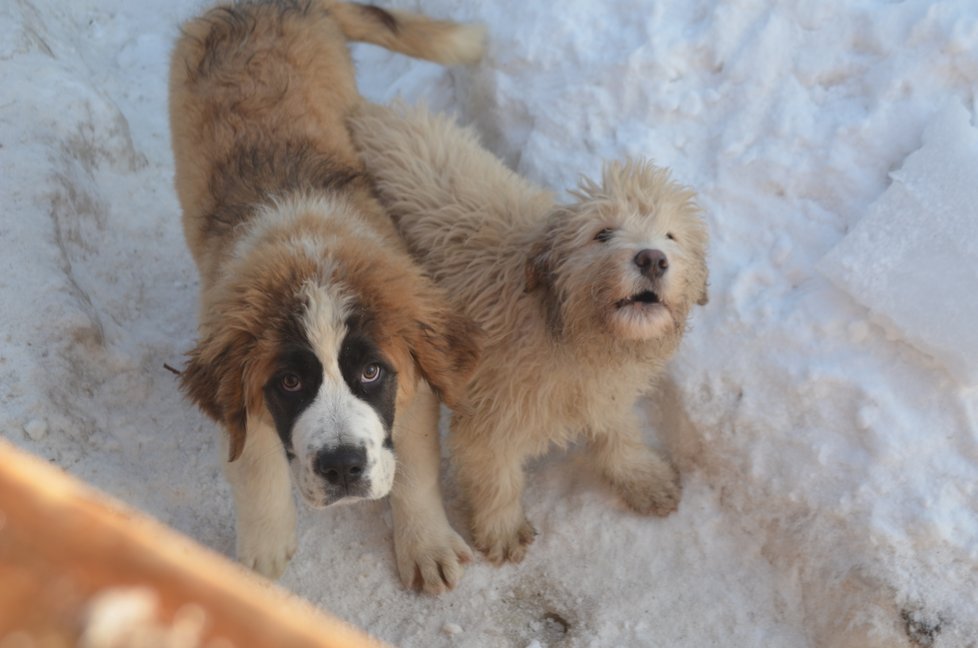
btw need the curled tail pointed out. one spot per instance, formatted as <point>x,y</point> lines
<point>441,41</point>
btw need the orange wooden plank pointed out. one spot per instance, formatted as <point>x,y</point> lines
<point>73,560</point>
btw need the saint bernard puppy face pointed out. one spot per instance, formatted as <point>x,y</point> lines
<point>332,395</point>
<point>325,342</point>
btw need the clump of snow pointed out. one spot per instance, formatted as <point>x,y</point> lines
<point>451,629</point>
<point>830,469</point>
<point>913,260</point>
<point>36,429</point>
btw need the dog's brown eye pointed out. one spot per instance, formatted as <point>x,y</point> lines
<point>604,235</point>
<point>291,383</point>
<point>371,373</point>
<point>670,236</point>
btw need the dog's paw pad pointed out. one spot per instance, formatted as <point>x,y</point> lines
<point>511,547</point>
<point>652,496</point>
<point>268,553</point>
<point>665,501</point>
<point>269,563</point>
<point>432,565</point>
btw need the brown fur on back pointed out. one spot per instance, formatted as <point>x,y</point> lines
<point>254,172</point>
<point>270,79</point>
<point>263,80</point>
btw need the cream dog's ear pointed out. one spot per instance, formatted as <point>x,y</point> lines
<point>539,276</point>
<point>704,277</point>
<point>704,296</point>
<point>446,349</point>
<point>537,269</point>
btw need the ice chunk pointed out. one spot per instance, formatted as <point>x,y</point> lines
<point>36,429</point>
<point>913,259</point>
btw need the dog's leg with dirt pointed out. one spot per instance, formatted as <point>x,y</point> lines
<point>429,552</point>
<point>647,482</point>
<point>265,510</point>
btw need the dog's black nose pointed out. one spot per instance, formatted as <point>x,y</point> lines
<point>652,263</point>
<point>341,466</point>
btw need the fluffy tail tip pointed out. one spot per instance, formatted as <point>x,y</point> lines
<point>466,45</point>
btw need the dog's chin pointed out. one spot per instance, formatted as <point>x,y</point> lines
<point>641,316</point>
<point>331,496</point>
<point>325,501</point>
<point>319,494</point>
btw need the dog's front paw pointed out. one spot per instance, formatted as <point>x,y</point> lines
<point>654,490</point>
<point>501,545</point>
<point>430,557</point>
<point>266,548</point>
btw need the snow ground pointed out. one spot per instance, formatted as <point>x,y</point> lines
<point>830,468</point>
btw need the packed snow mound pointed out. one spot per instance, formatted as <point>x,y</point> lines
<point>913,260</point>
<point>830,469</point>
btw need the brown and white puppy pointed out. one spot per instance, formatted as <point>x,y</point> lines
<point>319,336</point>
<point>582,304</point>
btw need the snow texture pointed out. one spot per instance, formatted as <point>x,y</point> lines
<point>913,260</point>
<point>830,469</point>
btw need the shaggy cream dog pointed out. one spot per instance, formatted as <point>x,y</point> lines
<point>582,304</point>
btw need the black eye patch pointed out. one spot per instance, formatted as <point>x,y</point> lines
<point>359,359</point>
<point>296,365</point>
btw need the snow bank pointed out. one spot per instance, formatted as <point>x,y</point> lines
<point>830,469</point>
<point>913,260</point>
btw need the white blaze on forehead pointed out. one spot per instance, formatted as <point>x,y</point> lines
<point>324,325</point>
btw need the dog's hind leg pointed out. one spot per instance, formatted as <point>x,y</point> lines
<point>492,480</point>
<point>264,508</point>
<point>647,482</point>
<point>429,552</point>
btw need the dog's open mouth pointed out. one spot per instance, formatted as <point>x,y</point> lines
<point>647,297</point>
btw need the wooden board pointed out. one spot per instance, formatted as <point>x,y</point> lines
<point>79,568</point>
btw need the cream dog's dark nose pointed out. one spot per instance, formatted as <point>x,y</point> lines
<point>652,263</point>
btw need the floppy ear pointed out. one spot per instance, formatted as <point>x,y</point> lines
<point>214,379</point>
<point>538,273</point>
<point>447,349</point>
